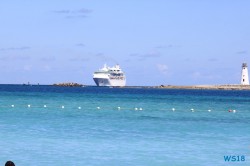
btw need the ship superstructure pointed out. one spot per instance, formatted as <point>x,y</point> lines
<point>109,76</point>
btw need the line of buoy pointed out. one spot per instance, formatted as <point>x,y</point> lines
<point>192,110</point>
<point>62,107</point>
<point>118,108</point>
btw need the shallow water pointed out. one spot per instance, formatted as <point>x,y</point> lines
<point>105,126</point>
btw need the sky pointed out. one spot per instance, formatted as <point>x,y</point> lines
<point>156,42</point>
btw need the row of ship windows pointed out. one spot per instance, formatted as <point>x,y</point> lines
<point>116,75</point>
<point>117,78</point>
<point>115,70</point>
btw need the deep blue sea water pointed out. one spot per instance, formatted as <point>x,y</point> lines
<point>47,125</point>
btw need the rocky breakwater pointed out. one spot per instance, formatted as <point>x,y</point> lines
<point>215,87</point>
<point>68,84</point>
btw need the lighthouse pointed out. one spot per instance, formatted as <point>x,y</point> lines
<point>244,75</point>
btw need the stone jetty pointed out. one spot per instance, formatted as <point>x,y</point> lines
<point>216,87</point>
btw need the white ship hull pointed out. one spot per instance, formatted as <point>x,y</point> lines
<point>109,76</point>
<point>108,82</point>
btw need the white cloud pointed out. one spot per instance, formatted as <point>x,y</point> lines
<point>162,68</point>
<point>81,13</point>
<point>196,75</point>
<point>205,76</point>
<point>15,48</point>
<point>27,67</point>
<point>47,68</point>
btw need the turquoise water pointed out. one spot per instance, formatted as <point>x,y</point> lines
<point>46,125</point>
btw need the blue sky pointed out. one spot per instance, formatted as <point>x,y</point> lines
<point>170,42</point>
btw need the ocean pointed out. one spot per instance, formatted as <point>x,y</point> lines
<point>96,126</point>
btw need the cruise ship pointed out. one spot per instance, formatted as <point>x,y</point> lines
<point>109,76</point>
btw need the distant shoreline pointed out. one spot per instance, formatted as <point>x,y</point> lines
<point>208,87</point>
<point>198,87</point>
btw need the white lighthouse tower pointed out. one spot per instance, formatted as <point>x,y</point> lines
<point>244,75</point>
